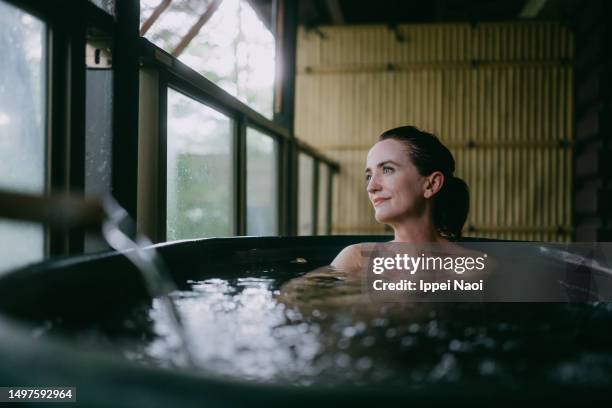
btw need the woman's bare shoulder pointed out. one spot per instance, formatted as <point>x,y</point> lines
<point>348,258</point>
<point>351,256</point>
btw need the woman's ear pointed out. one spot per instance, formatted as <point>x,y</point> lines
<point>433,184</point>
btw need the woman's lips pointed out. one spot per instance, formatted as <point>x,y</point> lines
<point>378,201</point>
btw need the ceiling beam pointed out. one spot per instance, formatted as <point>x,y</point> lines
<point>195,29</point>
<point>154,16</point>
<point>532,8</point>
<point>335,11</point>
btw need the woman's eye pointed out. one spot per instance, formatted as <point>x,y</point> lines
<point>387,170</point>
<point>368,177</point>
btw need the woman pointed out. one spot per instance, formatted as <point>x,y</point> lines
<point>410,183</point>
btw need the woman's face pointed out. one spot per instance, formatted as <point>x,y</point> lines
<point>394,185</point>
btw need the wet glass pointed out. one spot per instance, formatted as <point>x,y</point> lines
<point>106,5</point>
<point>323,198</point>
<point>22,127</point>
<point>199,195</point>
<point>98,142</point>
<point>172,23</point>
<point>233,49</point>
<point>262,186</point>
<point>305,194</point>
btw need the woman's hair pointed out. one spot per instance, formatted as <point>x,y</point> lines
<point>452,203</point>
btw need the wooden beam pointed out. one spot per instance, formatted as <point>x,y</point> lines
<point>532,8</point>
<point>195,29</point>
<point>286,44</point>
<point>126,76</point>
<point>335,11</point>
<point>154,16</point>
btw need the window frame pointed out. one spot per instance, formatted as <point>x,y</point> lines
<point>66,126</point>
<point>163,159</point>
<point>333,169</point>
<point>65,85</point>
<point>176,75</point>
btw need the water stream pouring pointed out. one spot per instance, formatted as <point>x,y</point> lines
<point>68,211</point>
<point>157,279</point>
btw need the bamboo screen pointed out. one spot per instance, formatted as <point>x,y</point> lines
<point>498,95</point>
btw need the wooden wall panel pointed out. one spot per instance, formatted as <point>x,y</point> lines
<point>498,95</point>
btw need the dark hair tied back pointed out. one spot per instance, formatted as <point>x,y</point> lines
<point>452,202</point>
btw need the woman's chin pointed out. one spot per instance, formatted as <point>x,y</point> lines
<point>381,217</point>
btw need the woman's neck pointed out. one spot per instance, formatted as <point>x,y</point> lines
<point>416,230</point>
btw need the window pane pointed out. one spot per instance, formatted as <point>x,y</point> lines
<point>106,5</point>
<point>305,194</point>
<point>199,170</point>
<point>98,142</point>
<point>323,194</point>
<point>22,127</point>
<point>174,21</point>
<point>99,131</point>
<point>234,49</point>
<point>262,186</point>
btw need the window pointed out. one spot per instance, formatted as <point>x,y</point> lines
<point>262,184</point>
<point>205,154</point>
<point>224,41</point>
<point>23,145</point>
<point>305,194</point>
<point>199,190</point>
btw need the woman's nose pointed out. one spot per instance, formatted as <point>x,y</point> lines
<point>373,185</point>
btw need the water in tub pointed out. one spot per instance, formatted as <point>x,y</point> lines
<point>321,329</point>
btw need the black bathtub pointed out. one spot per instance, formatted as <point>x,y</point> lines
<point>100,288</point>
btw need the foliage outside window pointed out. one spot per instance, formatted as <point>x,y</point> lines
<point>22,127</point>
<point>232,49</point>
<point>199,170</point>
<point>262,186</point>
